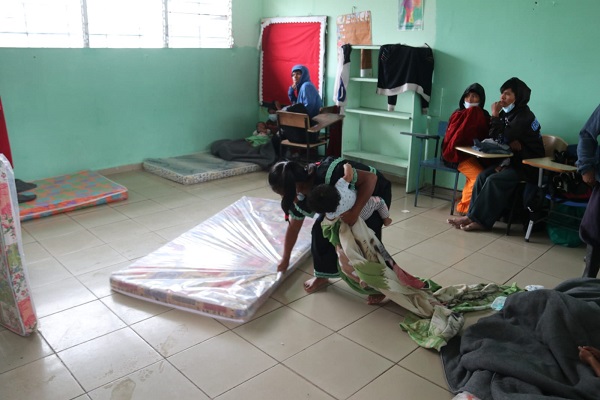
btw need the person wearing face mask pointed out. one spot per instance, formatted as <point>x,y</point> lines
<point>514,124</point>
<point>470,121</point>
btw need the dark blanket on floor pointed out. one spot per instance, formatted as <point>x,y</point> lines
<point>241,150</point>
<point>528,350</point>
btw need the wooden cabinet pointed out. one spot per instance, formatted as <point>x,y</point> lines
<point>371,133</point>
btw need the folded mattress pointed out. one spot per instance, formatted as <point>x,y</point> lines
<point>225,267</point>
<point>17,312</point>
<point>196,168</point>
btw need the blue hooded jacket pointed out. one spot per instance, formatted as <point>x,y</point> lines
<point>307,92</point>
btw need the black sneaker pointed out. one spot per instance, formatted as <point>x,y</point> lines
<point>23,186</point>
<point>25,197</point>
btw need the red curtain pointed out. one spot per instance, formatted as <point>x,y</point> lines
<point>4,143</point>
<point>285,45</point>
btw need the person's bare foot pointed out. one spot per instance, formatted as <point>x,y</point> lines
<point>374,299</point>
<point>473,226</point>
<point>458,222</point>
<point>387,221</point>
<point>314,284</point>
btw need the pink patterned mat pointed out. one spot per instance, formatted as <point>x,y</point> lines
<point>71,192</point>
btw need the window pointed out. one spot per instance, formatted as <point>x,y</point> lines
<point>116,23</point>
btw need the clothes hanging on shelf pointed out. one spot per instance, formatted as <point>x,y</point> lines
<point>403,68</point>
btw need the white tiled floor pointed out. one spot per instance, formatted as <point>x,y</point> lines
<point>95,344</point>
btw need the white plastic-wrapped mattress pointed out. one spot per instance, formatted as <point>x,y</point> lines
<point>226,267</point>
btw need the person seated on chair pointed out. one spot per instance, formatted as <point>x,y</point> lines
<point>514,124</point>
<point>470,121</point>
<point>588,164</point>
<point>293,182</point>
<point>302,91</point>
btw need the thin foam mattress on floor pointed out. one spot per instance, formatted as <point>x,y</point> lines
<point>225,267</point>
<point>196,168</point>
<point>70,192</point>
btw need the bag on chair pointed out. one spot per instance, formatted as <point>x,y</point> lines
<point>570,186</point>
<point>589,229</point>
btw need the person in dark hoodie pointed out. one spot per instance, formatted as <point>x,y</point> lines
<point>514,124</point>
<point>470,121</point>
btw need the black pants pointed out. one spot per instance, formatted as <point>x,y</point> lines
<point>323,252</point>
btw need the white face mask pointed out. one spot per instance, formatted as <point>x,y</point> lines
<point>273,117</point>
<point>509,108</point>
<point>469,105</point>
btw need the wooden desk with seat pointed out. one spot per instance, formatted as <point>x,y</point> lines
<point>481,154</point>
<point>299,120</point>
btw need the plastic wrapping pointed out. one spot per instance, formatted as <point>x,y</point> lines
<point>71,192</point>
<point>226,267</point>
<point>17,312</point>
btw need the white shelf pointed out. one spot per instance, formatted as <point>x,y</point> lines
<point>380,113</point>
<point>375,157</point>
<point>357,79</point>
<point>366,46</point>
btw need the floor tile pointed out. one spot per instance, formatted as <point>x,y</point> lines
<point>516,253</point>
<point>114,355</point>
<point>401,239</point>
<point>59,296</point>
<point>439,251</point>
<point>221,363</point>
<point>46,271</point>
<point>158,381</point>
<point>335,308</point>
<point>401,383</point>
<point>175,330</point>
<point>427,364</point>
<point>292,288</point>
<point>530,276</point>
<point>16,351</point>
<point>282,333</point>
<point>46,378</point>
<point>139,246</point>
<point>380,332</point>
<point>423,225</point>
<point>561,262</point>
<point>417,265</point>
<point>343,367</point>
<point>275,384</point>
<point>98,281</point>
<point>99,216</point>
<point>57,225</point>
<point>78,324</point>
<point>90,259</point>
<point>489,269</point>
<point>132,310</point>
<point>118,231</point>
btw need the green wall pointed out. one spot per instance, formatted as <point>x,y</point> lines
<point>550,44</point>
<point>73,109</point>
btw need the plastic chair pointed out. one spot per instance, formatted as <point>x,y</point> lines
<point>296,130</point>
<point>435,163</point>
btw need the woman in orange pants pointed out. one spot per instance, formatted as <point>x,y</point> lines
<point>470,121</point>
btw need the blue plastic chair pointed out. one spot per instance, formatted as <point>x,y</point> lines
<point>435,163</point>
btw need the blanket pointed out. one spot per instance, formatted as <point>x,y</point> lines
<point>528,350</point>
<point>241,150</point>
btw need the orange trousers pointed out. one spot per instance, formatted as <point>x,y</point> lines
<point>470,168</point>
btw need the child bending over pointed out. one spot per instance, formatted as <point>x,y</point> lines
<point>334,201</point>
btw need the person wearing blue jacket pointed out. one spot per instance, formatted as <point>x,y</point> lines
<point>588,165</point>
<point>303,91</point>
